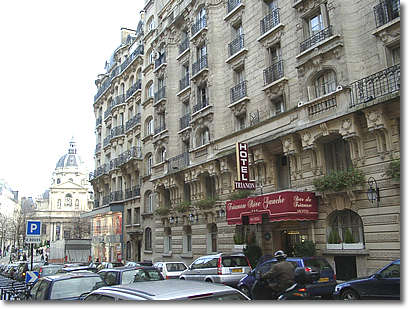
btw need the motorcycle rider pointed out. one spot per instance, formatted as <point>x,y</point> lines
<point>281,275</point>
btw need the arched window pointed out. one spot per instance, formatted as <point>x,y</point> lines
<point>161,155</point>
<point>149,126</point>
<point>202,137</point>
<point>148,239</point>
<point>148,164</point>
<point>148,202</point>
<point>77,203</point>
<point>68,200</point>
<point>325,83</point>
<point>345,230</point>
<point>58,181</point>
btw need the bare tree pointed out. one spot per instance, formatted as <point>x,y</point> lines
<point>81,228</point>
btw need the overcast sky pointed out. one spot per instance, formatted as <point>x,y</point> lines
<point>51,53</point>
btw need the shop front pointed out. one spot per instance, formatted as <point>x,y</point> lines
<point>278,221</point>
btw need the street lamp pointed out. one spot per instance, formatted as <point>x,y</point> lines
<point>373,193</point>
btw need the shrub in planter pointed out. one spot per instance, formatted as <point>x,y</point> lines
<point>334,237</point>
<point>206,203</point>
<point>240,194</point>
<point>340,180</point>
<point>183,207</point>
<point>162,211</point>
<point>238,238</point>
<point>348,237</point>
<point>306,248</point>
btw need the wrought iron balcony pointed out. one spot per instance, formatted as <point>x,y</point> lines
<point>178,162</point>
<point>106,200</point>
<point>98,121</point>
<point>117,131</point>
<point>98,148</point>
<point>236,45</point>
<point>198,25</point>
<point>233,4</point>
<point>239,91</point>
<point>184,45</point>
<point>108,111</point>
<point>138,51</point>
<point>184,82</point>
<point>96,204</point>
<point>160,128</point>
<point>386,11</point>
<point>270,21</point>
<point>160,94</point>
<point>119,100</point>
<point>322,106</point>
<point>133,192</point>
<point>161,60</point>
<point>200,64</point>
<point>273,73</point>
<point>316,38</point>
<point>117,196</point>
<point>376,85</point>
<point>184,121</point>
<point>132,122</point>
<point>134,152</point>
<point>136,86</point>
<point>201,104</point>
<point>106,140</point>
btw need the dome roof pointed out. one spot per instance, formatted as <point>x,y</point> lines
<point>71,159</point>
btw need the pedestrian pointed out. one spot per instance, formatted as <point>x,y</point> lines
<point>24,256</point>
<point>42,258</point>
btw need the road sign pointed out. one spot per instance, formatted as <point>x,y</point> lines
<point>31,276</point>
<point>32,239</point>
<point>33,228</point>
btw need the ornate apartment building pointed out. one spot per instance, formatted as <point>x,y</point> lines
<point>312,86</point>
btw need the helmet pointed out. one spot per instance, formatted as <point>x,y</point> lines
<point>280,255</point>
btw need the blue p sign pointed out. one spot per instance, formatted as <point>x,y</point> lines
<point>33,228</point>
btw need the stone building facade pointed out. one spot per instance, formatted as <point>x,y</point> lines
<point>311,86</point>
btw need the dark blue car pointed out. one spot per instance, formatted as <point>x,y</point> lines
<point>384,284</point>
<point>66,286</point>
<point>323,287</point>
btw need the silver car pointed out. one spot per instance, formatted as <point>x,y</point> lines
<point>218,268</point>
<point>167,290</point>
<point>171,270</point>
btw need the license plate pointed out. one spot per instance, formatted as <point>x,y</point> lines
<point>323,280</point>
<point>236,270</point>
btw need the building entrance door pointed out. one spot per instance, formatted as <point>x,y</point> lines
<point>345,267</point>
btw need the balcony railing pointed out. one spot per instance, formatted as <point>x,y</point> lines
<point>106,200</point>
<point>239,91</point>
<point>178,162</point>
<point>184,45</point>
<point>119,100</point>
<point>96,204</point>
<point>376,85</point>
<point>134,152</point>
<point>316,38</point>
<point>386,11</point>
<point>117,196</point>
<point>160,128</point>
<point>198,25</point>
<point>200,64</point>
<point>184,82</point>
<point>184,121</point>
<point>201,104</point>
<point>98,121</point>
<point>236,45</point>
<point>136,86</point>
<point>161,60</point>
<point>108,111</point>
<point>160,94</point>
<point>233,4</point>
<point>106,140</point>
<point>132,122</point>
<point>98,148</point>
<point>270,21</point>
<point>117,131</point>
<point>138,51</point>
<point>322,106</point>
<point>133,192</point>
<point>273,73</point>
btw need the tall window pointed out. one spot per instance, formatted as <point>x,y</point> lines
<point>187,240</point>
<point>137,215</point>
<point>337,155</point>
<point>148,202</point>
<point>148,239</point>
<point>316,24</point>
<point>149,164</point>
<point>59,203</point>
<point>325,83</point>
<point>68,200</point>
<point>345,226</point>
<point>212,238</point>
<point>167,240</point>
<point>77,203</point>
<point>203,137</point>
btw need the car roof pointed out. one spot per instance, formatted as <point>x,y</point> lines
<point>69,275</point>
<point>123,268</point>
<point>169,263</point>
<point>167,289</point>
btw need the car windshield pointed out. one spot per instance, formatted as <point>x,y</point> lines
<point>47,271</point>
<point>74,287</point>
<point>175,267</point>
<point>234,261</point>
<point>320,264</point>
<point>146,275</point>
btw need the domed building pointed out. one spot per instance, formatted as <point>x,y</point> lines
<point>70,194</point>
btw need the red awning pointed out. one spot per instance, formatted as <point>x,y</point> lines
<point>283,206</point>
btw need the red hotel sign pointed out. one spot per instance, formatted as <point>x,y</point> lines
<point>283,206</point>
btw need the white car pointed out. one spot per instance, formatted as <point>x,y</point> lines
<point>171,270</point>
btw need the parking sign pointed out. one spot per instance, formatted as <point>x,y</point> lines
<point>33,228</point>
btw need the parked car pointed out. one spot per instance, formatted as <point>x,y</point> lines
<point>218,268</point>
<point>77,268</point>
<point>323,287</point>
<point>11,269</point>
<point>171,270</point>
<point>384,284</point>
<point>66,286</point>
<point>126,275</point>
<point>167,290</point>
<point>47,270</point>
<point>104,265</point>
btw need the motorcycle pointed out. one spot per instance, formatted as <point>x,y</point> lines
<point>298,291</point>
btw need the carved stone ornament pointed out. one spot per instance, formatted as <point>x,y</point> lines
<point>324,129</point>
<point>185,135</point>
<point>239,109</point>
<point>374,119</point>
<point>273,39</point>
<point>276,90</point>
